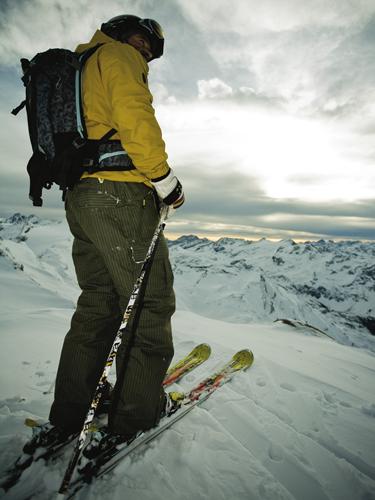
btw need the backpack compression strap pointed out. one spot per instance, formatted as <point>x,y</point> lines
<point>16,110</point>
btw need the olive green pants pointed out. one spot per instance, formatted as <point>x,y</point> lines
<point>112,224</point>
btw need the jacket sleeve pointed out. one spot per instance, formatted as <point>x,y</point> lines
<point>124,76</point>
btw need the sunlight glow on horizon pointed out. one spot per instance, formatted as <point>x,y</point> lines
<point>291,157</point>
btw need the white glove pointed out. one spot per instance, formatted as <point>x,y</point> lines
<point>169,189</point>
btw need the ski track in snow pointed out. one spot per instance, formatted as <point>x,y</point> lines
<point>299,424</point>
<point>246,436</point>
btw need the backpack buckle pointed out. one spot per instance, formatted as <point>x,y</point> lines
<point>79,142</point>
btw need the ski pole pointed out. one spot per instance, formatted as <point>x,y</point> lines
<point>50,389</point>
<point>112,355</point>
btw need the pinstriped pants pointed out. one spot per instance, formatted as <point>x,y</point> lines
<point>112,224</point>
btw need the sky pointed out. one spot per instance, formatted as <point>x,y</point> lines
<point>267,110</point>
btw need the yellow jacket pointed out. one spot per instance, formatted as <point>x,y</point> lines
<point>116,95</point>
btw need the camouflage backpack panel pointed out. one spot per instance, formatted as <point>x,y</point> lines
<point>55,97</point>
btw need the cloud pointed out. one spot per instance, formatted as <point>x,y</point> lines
<point>236,204</point>
<point>161,94</point>
<point>275,15</point>
<point>235,194</point>
<point>290,157</point>
<point>32,26</point>
<point>216,89</point>
<point>317,59</point>
<point>220,204</point>
<point>14,197</point>
<point>60,24</point>
<point>213,89</point>
<point>266,109</point>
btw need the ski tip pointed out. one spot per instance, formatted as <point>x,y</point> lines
<point>197,356</point>
<point>243,359</point>
<point>31,422</point>
<point>202,351</point>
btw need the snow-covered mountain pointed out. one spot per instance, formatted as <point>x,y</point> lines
<point>328,285</point>
<point>299,424</point>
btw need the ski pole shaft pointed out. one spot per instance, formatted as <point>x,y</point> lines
<point>112,355</point>
<point>50,389</point>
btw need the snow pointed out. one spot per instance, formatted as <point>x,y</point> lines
<point>299,424</point>
<point>326,284</point>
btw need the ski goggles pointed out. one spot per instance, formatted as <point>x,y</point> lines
<point>155,35</point>
<point>152,27</point>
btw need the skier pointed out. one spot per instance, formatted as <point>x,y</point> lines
<point>112,216</point>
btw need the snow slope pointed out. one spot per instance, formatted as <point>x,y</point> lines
<point>299,424</point>
<point>330,285</point>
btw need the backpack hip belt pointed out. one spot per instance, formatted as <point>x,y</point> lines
<point>110,156</point>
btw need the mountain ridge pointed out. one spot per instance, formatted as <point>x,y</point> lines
<point>329,285</point>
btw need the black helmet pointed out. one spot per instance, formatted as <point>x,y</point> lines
<point>122,27</point>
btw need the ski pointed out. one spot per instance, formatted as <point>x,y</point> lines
<point>106,462</point>
<point>175,373</point>
<point>196,357</point>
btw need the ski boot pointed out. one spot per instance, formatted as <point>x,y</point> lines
<point>103,441</point>
<point>46,436</point>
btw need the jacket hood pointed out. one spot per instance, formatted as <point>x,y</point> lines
<point>98,37</point>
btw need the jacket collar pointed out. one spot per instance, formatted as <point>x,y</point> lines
<point>98,37</point>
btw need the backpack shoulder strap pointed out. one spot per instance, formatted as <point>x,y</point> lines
<point>81,126</point>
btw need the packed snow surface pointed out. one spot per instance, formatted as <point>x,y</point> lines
<point>299,424</point>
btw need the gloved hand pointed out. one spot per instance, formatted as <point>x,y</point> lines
<point>169,189</point>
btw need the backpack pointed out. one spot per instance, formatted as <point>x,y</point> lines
<point>58,136</point>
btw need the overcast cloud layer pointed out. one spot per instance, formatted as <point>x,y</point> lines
<point>267,109</point>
